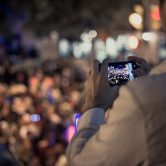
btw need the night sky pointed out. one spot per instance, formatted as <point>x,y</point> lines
<point>68,17</point>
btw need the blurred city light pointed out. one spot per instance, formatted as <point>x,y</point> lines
<point>77,50</point>
<point>162,53</point>
<point>121,42</point>
<point>154,17</point>
<point>155,13</point>
<point>100,49</point>
<point>138,9</point>
<point>88,36</point>
<point>111,47</point>
<point>147,36</point>
<point>133,42</point>
<point>86,47</point>
<point>136,20</point>
<point>85,37</point>
<point>64,47</point>
<point>92,33</point>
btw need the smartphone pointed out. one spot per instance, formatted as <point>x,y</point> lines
<point>119,73</point>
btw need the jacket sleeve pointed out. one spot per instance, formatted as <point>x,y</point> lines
<point>120,140</point>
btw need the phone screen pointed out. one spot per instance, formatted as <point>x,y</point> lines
<point>120,73</point>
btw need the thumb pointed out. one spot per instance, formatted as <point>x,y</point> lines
<point>104,66</point>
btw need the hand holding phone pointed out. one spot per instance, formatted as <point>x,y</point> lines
<point>97,91</point>
<point>143,67</point>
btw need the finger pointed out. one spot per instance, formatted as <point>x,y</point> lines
<point>141,63</point>
<point>95,65</point>
<point>139,72</point>
<point>104,65</point>
<point>137,60</point>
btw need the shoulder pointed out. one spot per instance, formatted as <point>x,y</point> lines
<point>160,69</point>
<point>149,93</point>
<point>149,89</point>
<point>151,85</point>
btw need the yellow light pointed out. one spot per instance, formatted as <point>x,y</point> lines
<point>133,42</point>
<point>138,9</point>
<point>135,20</point>
<point>147,36</point>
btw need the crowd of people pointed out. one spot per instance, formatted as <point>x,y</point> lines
<point>36,110</point>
